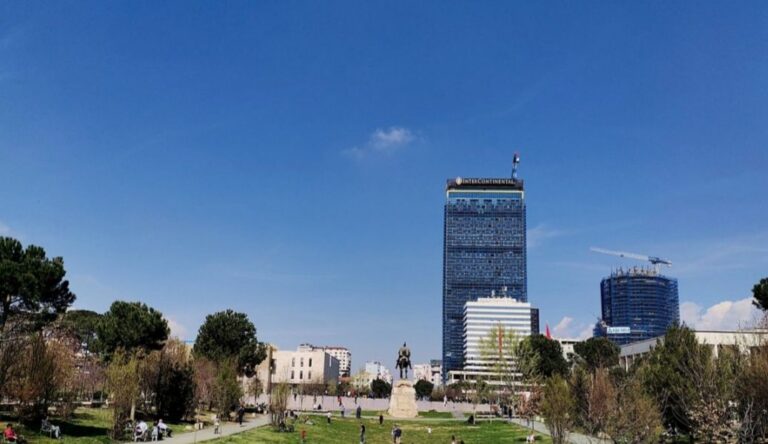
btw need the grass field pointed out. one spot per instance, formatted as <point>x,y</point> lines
<point>430,414</point>
<point>347,431</point>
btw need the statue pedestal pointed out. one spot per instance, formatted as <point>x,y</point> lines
<point>402,402</point>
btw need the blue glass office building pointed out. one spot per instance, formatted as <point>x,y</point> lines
<point>483,251</point>
<point>637,304</point>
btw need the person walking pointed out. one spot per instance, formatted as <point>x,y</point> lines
<point>240,414</point>
<point>358,412</point>
<point>381,419</point>
<point>362,433</point>
<point>328,416</point>
<point>398,434</point>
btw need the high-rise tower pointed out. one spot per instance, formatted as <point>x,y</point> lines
<point>637,304</point>
<point>483,251</point>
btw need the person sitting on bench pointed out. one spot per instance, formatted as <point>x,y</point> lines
<point>53,430</point>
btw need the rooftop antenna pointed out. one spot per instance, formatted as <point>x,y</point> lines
<point>515,163</point>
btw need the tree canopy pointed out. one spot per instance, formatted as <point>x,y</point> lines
<point>550,356</point>
<point>664,375</point>
<point>598,352</point>
<point>81,324</point>
<point>380,388</point>
<point>229,335</point>
<point>31,283</point>
<point>423,388</point>
<point>760,294</point>
<point>131,326</point>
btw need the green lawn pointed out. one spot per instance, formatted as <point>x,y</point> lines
<point>435,414</point>
<point>430,414</point>
<point>347,431</point>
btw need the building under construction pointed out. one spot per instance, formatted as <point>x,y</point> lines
<point>637,303</point>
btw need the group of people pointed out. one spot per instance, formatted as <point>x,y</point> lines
<point>159,430</point>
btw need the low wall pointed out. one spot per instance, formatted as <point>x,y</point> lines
<point>308,402</point>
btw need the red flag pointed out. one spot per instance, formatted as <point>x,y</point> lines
<point>549,336</point>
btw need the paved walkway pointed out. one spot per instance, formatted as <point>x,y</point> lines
<point>574,438</point>
<point>226,429</point>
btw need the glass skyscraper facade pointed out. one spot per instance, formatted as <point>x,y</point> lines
<point>637,304</point>
<point>483,251</point>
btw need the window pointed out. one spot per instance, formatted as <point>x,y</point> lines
<point>301,374</point>
<point>292,375</point>
<point>293,362</point>
<point>309,375</point>
<point>301,362</point>
<point>310,362</point>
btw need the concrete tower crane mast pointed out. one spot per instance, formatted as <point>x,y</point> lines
<point>656,261</point>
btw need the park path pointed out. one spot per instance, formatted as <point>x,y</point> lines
<point>573,438</point>
<point>226,429</point>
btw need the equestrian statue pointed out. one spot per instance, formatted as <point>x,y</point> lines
<point>403,360</point>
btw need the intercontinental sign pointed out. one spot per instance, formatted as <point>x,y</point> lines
<point>460,181</point>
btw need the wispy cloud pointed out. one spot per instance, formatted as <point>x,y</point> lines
<point>725,315</point>
<point>537,235</point>
<point>177,329</point>
<point>383,142</point>
<point>719,255</point>
<point>571,329</point>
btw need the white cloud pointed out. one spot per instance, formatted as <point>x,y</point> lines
<point>176,328</point>
<point>725,315</point>
<point>569,328</point>
<point>561,328</point>
<point>537,235</point>
<point>383,141</point>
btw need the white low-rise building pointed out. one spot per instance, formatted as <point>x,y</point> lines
<point>567,345</point>
<point>481,319</point>
<point>340,353</point>
<point>376,370</point>
<point>304,366</point>
<point>743,340</point>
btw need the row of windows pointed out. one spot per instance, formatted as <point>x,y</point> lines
<point>301,374</point>
<point>301,362</point>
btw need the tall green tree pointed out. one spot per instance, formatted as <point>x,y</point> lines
<point>557,408</point>
<point>598,353</point>
<point>550,356</point>
<point>666,375</point>
<point>229,335</point>
<point>82,325</point>
<point>31,283</point>
<point>131,326</point>
<point>760,294</point>
<point>502,348</point>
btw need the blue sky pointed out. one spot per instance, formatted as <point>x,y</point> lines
<point>288,159</point>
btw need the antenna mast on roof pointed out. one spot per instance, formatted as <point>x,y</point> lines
<point>515,163</point>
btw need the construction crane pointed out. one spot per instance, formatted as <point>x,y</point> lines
<point>656,261</point>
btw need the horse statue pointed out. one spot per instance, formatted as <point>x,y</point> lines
<point>403,360</point>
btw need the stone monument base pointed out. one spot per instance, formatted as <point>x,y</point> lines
<point>402,402</point>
